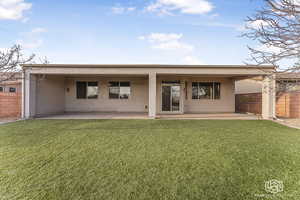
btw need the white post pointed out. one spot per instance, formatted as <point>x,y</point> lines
<point>152,95</point>
<point>23,95</point>
<point>26,94</point>
<point>29,94</point>
<point>269,97</point>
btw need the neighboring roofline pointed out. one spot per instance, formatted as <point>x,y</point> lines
<point>288,75</point>
<point>10,82</point>
<point>144,66</point>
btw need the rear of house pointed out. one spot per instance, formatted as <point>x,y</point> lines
<point>150,89</point>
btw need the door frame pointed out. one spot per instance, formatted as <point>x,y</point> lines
<point>180,98</point>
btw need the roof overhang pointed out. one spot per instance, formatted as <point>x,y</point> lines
<point>127,69</point>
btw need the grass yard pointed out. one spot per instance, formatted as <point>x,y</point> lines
<point>147,159</point>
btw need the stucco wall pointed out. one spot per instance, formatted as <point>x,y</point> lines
<point>137,102</point>
<point>248,86</point>
<point>226,104</point>
<point>57,94</point>
<point>50,96</point>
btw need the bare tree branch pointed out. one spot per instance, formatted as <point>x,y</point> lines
<point>10,61</point>
<point>276,27</point>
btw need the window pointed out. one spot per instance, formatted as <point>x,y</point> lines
<point>119,90</point>
<point>92,90</point>
<point>87,90</point>
<point>170,82</point>
<point>1,89</point>
<point>12,89</point>
<point>206,90</point>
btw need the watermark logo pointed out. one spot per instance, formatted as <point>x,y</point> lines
<point>274,186</point>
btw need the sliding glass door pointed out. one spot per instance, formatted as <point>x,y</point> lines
<point>170,97</point>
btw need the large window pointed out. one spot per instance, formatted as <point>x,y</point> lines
<point>1,89</point>
<point>87,90</point>
<point>206,90</point>
<point>119,90</point>
<point>12,90</point>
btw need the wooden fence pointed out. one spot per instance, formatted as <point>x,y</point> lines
<point>287,104</point>
<point>248,103</point>
<point>10,105</point>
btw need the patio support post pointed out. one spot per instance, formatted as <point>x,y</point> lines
<point>23,95</point>
<point>26,94</point>
<point>268,97</point>
<point>29,86</point>
<point>152,94</point>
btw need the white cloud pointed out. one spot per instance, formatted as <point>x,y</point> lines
<point>38,30</point>
<point>30,44</point>
<point>192,60</point>
<point>13,9</point>
<point>122,10</point>
<point>257,24</point>
<point>213,16</point>
<point>268,49</point>
<point>236,27</point>
<point>167,41</point>
<point>183,6</point>
<point>32,39</point>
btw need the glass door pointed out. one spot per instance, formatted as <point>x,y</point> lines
<point>170,98</point>
<point>175,98</point>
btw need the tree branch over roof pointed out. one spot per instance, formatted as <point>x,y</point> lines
<point>276,27</point>
<point>10,61</point>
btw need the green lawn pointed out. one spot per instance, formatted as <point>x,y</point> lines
<point>147,159</point>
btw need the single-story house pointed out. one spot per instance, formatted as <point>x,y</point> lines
<point>153,89</point>
<point>249,95</point>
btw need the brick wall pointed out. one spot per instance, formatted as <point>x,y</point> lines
<point>10,104</point>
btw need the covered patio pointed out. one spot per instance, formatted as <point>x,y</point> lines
<point>108,115</point>
<point>139,91</point>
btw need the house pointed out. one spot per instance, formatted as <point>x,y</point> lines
<point>10,97</point>
<point>248,95</point>
<point>152,89</point>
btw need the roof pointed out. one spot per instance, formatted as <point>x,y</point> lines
<point>143,66</point>
<point>10,77</point>
<point>288,75</point>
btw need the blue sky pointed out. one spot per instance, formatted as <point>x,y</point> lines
<point>129,31</point>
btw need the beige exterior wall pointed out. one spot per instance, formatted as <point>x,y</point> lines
<point>248,86</point>
<point>56,94</point>
<point>137,102</point>
<point>50,95</point>
<point>226,104</point>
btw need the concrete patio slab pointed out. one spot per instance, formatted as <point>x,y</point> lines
<point>97,115</point>
<point>223,116</point>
